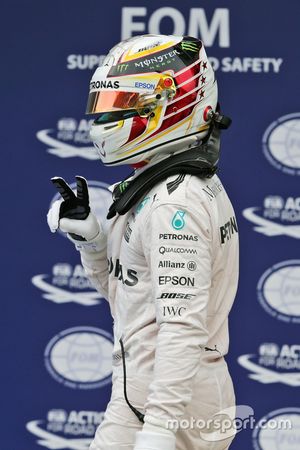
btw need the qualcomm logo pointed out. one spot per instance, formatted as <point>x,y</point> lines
<point>70,138</point>
<point>277,217</point>
<point>278,291</point>
<point>100,201</point>
<point>80,357</point>
<point>280,430</point>
<point>274,364</point>
<point>281,144</point>
<point>67,284</point>
<point>63,429</point>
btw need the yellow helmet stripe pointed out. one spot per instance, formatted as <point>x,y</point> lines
<point>129,57</point>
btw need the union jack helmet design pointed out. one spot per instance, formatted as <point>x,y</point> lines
<point>152,94</point>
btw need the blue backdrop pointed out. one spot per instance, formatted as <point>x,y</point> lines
<point>55,329</point>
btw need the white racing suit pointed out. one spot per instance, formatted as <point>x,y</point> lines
<point>171,281</point>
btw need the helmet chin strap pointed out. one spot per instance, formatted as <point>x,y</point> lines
<point>168,149</point>
<point>198,158</point>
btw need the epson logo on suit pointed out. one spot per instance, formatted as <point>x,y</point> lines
<point>214,30</point>
<point>176,281</point>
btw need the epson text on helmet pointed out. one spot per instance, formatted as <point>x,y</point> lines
<point>135,20</point>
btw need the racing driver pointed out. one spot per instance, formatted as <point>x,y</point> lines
<point>168,262</point>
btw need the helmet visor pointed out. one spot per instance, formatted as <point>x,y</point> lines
<point>104,101</point>
<point>115,116</point>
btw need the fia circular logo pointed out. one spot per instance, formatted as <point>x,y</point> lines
<point>281,144</point>
<point>80,357</point>
<point>278,291</point>
<point>278,430</point>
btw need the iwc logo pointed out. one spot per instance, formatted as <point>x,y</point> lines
<point>70,138</point>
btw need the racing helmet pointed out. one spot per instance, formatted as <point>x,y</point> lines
<point>153,94</point>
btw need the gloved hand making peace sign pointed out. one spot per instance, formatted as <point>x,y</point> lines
<point>73,215</point>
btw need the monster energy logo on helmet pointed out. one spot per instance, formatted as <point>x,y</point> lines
<point>189,46</point>
<point>175,57</point>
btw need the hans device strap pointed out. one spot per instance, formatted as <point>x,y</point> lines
<point>200,161</point>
